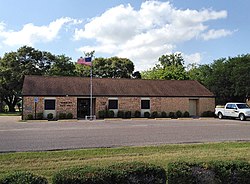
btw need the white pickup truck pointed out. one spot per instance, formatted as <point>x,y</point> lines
<point>234,110</point>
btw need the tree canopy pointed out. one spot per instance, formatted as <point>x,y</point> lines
<point>171,67</point>
<point>227,78</point>
<point>30,61</point>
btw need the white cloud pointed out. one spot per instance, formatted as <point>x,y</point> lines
<point>214,34</point>
<point>192,58</point>
<point>31,34</point>
<point>145,34</point>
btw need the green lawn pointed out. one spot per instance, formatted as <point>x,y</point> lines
<point>45,163</point>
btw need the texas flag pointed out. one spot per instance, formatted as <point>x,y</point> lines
<point>84,61</point>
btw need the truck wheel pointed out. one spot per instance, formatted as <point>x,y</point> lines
<point>220,115</point>
<point>242,117</point>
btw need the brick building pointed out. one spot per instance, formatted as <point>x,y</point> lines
<point>45,94</point>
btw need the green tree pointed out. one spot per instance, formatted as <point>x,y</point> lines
<point>226,78</point>
<point>174,59</point>
<point>62,66</point>
<point>170,67</point>
<point>113,67</point>
<point>14,66</point>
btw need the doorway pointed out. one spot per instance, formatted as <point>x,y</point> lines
<point>83,107</point>
<point>193,107</point>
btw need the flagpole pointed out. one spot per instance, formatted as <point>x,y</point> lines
<point>91,93</point>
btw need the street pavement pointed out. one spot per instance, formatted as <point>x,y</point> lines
<point>75,134</point>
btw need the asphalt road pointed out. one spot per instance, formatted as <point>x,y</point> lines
<point>39,136</point>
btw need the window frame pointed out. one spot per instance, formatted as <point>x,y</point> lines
<point>114,100</point>
<point>148,106</point>
<point>46,105</point>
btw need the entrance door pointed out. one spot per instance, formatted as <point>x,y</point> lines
<point>83,107</point>
<point>193,107</point>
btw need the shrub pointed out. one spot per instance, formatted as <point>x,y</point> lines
<point>171,114</point>
<point>50,116</point>
<point>29,117</point>
<point>128,114</point>
<point>69,115</point>
<point>39,115</point>
<point>164,114</point>
<point>207,114</point>
<point>102,114</point>
<point>62,115</point>
<point>110,114</point>
<point>178,114</point>
<point>137,114</point>
<point>120,114</point>
<point>147,114</point>
<point>124,173</point>
<point>186,114</point>
<point>23,178</point>
<point>154,114</point>
<point>223,172</point>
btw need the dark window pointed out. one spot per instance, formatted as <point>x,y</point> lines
<point>113,104</point>
<point>145,104</point>
<point>49,104</point>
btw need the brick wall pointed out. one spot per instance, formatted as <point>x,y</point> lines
<point>206,104</point>
<point>63,105</point>
<point>159,104</point>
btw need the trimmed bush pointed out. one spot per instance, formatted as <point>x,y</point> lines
<point>23,178</point>
<point>146,114</point>
<point>50,116</point>
<point>164,114</point>
<point>102,114</point>
<point>137,114</point>
<point>120,114</point>
<point>207,114</point>
<point>29,117</point>
<point>178,114</point>
<point>154,114</point>
<point>186,114</point>
<point>128,114</point>
<point>69,115</point>
<point>171,115</point>
<point>110,114</point>
<point>39,115</point>
<point>62,115</point>
<point>125,173</point>
<point>221,172</point>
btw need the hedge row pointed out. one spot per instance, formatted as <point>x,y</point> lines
<point>126,173</point>
<point>50,116</point>
<point>23,178</point>
<point>216,172</point>
<point>137,114</point>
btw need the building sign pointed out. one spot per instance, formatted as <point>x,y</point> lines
<point>66,104</point>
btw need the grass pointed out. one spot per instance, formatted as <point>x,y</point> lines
<point>46,163</point>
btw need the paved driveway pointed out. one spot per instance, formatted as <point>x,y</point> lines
<point>36,136</point>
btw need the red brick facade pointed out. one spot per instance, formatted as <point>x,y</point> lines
<point>159,104</point>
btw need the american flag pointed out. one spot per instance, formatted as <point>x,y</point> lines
<point>84,61</point>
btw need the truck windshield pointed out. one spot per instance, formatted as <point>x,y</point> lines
<point>243,106</point>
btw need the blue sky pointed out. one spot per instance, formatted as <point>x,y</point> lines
<point>202,30</point>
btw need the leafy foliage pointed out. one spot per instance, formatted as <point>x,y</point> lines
<point>123,173</point>
<point>228,78</point>
<point>170,67</point>
<point>23,178</point>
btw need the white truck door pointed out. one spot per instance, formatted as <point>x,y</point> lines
<point>228,110</point>
<point>235,111</point>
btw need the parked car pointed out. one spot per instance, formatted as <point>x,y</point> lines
<point>234,110</point>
